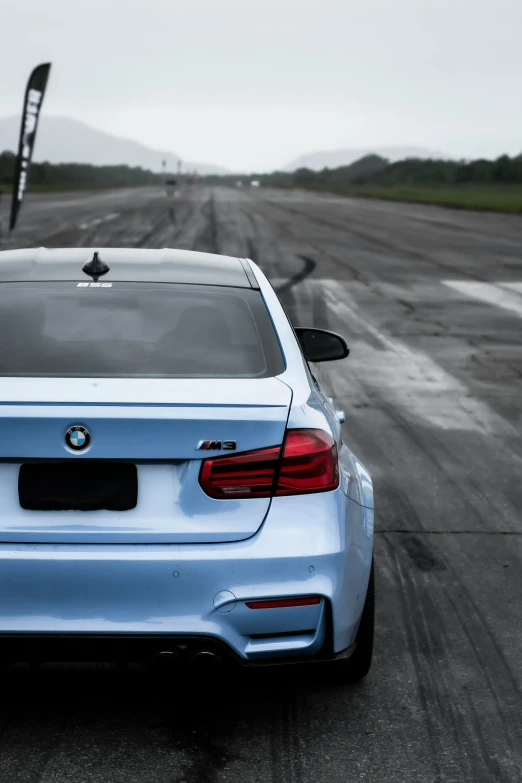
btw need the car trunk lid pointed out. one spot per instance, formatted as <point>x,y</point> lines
<point>155,424</point>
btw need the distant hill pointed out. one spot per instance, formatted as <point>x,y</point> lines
<point>64,140</point>
<point>334,159</point>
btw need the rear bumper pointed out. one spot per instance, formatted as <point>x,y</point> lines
<point>317,545</point>
<point>143,649</point>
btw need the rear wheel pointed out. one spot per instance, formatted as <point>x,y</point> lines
<point>358,665</point>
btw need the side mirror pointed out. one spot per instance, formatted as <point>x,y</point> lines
<point>320,345</point>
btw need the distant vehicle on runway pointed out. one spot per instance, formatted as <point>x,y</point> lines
<point>254,183</point>
<point>174,482</point>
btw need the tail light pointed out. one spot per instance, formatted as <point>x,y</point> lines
<point>248,475</point>
<point>307,462</point>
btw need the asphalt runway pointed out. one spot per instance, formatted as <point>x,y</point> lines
<point>430,301</point>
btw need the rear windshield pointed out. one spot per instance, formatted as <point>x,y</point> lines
<point>135,330</point>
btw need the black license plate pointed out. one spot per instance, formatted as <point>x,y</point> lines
<point>86,485</point>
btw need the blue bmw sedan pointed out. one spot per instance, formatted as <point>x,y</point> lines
<point>171,473</point>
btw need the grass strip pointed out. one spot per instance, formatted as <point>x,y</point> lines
<point>477,197</point>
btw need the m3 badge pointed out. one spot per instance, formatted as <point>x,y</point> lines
<point>216,445</point>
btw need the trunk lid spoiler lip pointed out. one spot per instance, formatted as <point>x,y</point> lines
<point>144,393</point>
<point>87,403</point>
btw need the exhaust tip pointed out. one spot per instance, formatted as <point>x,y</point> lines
<point>166,661</point>
<point>205,662</point>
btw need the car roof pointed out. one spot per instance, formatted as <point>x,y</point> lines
<point>126,264</point>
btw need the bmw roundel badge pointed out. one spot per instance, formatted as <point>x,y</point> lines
<point>77,437</point>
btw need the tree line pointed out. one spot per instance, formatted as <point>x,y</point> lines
<point>71,175</point>
<point>369,170</point>
<point>502,171</point>
<point>375,170</point>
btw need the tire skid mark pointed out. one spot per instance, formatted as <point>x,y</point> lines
<point>252,251</point>
<point>345,226</point>
<point>372,240</point>
<point>422,556</point>
<point>337,258</point>
<point>285,748</point>
<point>400,511</point>
<point>426,689</point>
<point>298,298</point>
<point>148,235</point>
<point>288,229</point>
<point>299,277</point>
<point>282,230</point>
<point>184,217</point>
<point>70,234</point>
<point>485,632</point>
<point>441,456</point>
<point>479,651</point>
<point>428,645</point>
<point>253,248</point>
<point>207,239</point>
<point>169,229</point>
<point>421,640</point>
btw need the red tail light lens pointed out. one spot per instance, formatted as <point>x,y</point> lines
<point>248,475</point>
<point>309,463</point>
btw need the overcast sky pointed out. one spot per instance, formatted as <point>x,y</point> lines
<point>251,84</point>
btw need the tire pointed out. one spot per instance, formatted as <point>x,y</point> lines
<point>358,665</point>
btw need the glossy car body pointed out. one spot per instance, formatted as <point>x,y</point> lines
<point>180,564</point>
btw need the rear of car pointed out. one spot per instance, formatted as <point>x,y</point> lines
<point>168,471</point>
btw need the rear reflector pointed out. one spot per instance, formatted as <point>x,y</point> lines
<point>283,603</point>
<point>308,463</point>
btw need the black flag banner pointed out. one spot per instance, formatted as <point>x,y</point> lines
<point>34,95</point>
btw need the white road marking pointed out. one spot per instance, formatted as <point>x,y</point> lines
<point>508,296</point>
<point>406,377</point>
<point>97,221</point>
<point>513,286</point>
